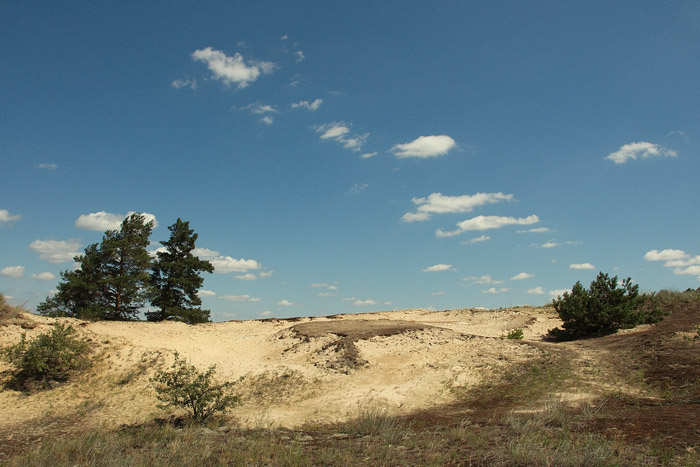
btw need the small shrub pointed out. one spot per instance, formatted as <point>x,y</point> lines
<point>48,357</point>
<point>515,334</point>
<point>186,387</point>
<point>603,309</point>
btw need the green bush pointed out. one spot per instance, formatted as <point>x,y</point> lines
<point>515,334</point>
<point>602,309</point>
<point>47,358</point>
<point>186,387</point>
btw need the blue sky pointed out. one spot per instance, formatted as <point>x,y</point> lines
<point>339,157</point>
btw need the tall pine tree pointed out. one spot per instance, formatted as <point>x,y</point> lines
<point>111,281</point>
<point>175,278</point>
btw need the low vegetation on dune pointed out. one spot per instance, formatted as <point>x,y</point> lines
<point>641,404</point>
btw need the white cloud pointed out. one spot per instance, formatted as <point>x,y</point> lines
<point>226,264</point>
<point>313,106</point>
<point>321,284</point>
<point>536,291</point>
<point>357,188</point>
<point>206,293</point>
<point>266,313</point>
<point>266,274</point>
<point>690,270</point>
<point>56,251</point>
<point>665,255</point>
<point>364,302</point>
<point>101,220</point>
<point>487,222</point>
<point>12,271</point>
<point>641,150</point>
<point>535,230</point>
<point>260,109</point>
<point>205,253</point>
<point>184,83</point>
<point>267,120</point>
<point>44,276</point>
<point>368,155</point>
<point>485,279</point>
<point>521,276</point>
<point>300,56</point>
<point>247,277</point>
<point>440,292</point>
<point>340,132</point>
<point>232,70</point>
<point>424,147</point>
<point>558,292</point>
<point>327,294</point>
<point>240,298</point>
<point>483,238</point>
<point>495,290</point>
<point>437,203</point>
<point>438,267</point>
<point>285,303</point>
<point>5,216</point>
<point>581,266</point>
<point>550,244</point>
<point>47,166</point>
<point>348,299</point>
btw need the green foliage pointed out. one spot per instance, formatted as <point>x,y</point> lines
<point>602,309</point>
<point>515,334</point>
<point>175,278</point>
<point>186,387</point>
<point>112,278</point>
<point>48,357</point>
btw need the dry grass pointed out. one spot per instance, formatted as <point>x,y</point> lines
<point>12,315</point>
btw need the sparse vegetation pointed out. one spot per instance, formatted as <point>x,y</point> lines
<point>602,309</point>
<point>47,358</point>
<point>186,387</point>
<point>516,334</point>
<point>10,314</point>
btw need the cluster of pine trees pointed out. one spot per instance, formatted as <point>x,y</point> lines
<point>116,278</point>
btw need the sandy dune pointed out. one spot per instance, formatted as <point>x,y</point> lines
<point>291,371</point>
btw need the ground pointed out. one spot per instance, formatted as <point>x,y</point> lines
<point>434,369</point>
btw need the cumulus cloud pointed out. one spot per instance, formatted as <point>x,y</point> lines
<point>184,83</point>
<point>240,298</point>
<point>437,203</point>
<point>495,290</point>
<point>550,244</point>
<point>13,271</point>
<point>44,276</point>
<point>101,220</point>
<point>205,253</point>
<point>56,251</point>
<point>285,303</point>
<point>639,150</point>
<point>5,216</point>
<point>486,223</point>
<point>247,277</point>
<point>367,302</point>
<point>682,262</point>
<point>424,147</point>
<point>341,133</point>
<point>206,293</point>
<point>521,276</point>
<point>226,264</point>
<point>313,106</point>
<point>232,70</point>
<point>581,266</point>
<point>536,291</point>
<point>483,238</point>
<point>267,120</point>
<point>260,109</point>
<point>665,255</point>
<point>438,267</point>
<point>558,292</point>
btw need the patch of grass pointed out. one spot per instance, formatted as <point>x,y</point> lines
<point>515,334</point>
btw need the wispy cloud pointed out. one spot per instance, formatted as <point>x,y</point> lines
<point>44,276</point>
<point>424,147</point>
<point>232,70</point>
<point>494,290</point>
<point>639,150</point>
<point>521,276</point>
<point>437,203</point>
<point>536,291</point>
<point>47,166</point>
<point>285,303</point>
<point>101,221</point>
<point>483,238</point>
<point>368,155</point>
<point>485,279</point>
<point>550,244</point>
<point>240,298</point>
<point>313,106</point>
<point>438,268</point>
<point>5,216</point>
<point>581,266</point>
<point>14,272</point>
<point>367,302</point>
<point>535,230</point>
<point>56,251</point>
<point>486,223</point>
<point>300,56</point>
<point>341,133</point>
<point>358,188</point>
<point>184,83</point>
<point>206,293</point>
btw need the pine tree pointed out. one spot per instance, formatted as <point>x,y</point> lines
<point>175,278</point>
<point>126,265</point>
